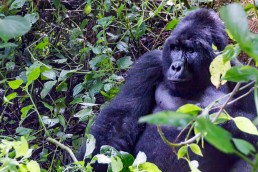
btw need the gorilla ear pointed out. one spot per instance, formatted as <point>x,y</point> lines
<point>219,38</point>
<point>218,32</point>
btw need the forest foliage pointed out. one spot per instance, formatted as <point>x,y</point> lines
<point>61,62</point>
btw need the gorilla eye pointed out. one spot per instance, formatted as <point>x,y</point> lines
<point>176,48</point>
<point>190,50</point>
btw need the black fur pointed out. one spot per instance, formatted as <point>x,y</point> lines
<point>165,80</point>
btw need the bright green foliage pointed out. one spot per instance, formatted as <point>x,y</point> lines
<point>19,162</point>
<point>244,146</point>
<point>215,135</point>
<point>13,26</point>
<point>189,109</point>
<point>167,118</point>
<point>244,124</point>
<point>236,21</point>
<point>218,69</point>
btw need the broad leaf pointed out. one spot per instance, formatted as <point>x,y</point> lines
<point>25,111</point>
<point>235,20</point>
<point>47,88</point>
<point>13,26</point>
<point>215,135</point>
<point>218,69</point>
<point>116,164</point>
<point>15,84</point>
<point>172,24</point>
<point>90,145</point>
<point>21,147</point>
<point>124,62</point>
<point>33,166</point>
<point>149,167</point>
<point>167,118</point>
<point>189,109</point>
<point>182,152</point>
<point>244,146</point>
<point>17,4</point>
<point>244,124</point>
<point>241,74</point>
<point>230,52</point>
<point>196,149</point>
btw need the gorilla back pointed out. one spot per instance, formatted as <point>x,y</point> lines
<point>166,80</point>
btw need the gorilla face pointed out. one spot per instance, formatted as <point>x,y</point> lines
<point>188,52</point>
<point>186,64</point>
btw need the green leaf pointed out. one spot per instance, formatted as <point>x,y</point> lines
<point>105,21</point>
<point>13,26</point>
<point>127,159</point>
<point>90,145</point>
<point>149,167</point>
<point>50,122</point>
<point>244,146</point>
<point>87,9</point>
<point>48,74</point>
<point>56,3</point>
<point>77,89</point>
<point>25,111</point>
<point>15,84</point>
<point>11,96</point>
<point>33,75</point>
<point>218,69</point>
<point>65,74</point>
<point>21,147</point>
<point>215,135</point>
<point>33,166</point>
<point>124,62</point>
<point>167,118</point>
<point>244,124</point>
<point>189,109</point>
<point>48,106</point>
<point>116,164</point>
<point>182,152</point>
<point>236,21</point>
<point>32,18</point>
<point>8,45</point>
<point>47,88</point>
<point>222,118</point>
<point>172,24</point>
<point>122,46</point>
<point>241,74</point>
<point>62,121</point>
<point>96,88</point>
<point>17,4</point>
<point>230,52</point>
<point>43,44</point>
<point>196,149</point>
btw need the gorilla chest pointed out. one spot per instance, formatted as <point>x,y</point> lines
<point>165,101</point>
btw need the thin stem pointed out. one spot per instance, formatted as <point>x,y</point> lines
<point>226,102</point>
<point>62,146</point>
<point>165,139</point>
<point>36,109</point>
<point>244,158</point>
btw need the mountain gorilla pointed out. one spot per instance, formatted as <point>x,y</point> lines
<point>166,80</point>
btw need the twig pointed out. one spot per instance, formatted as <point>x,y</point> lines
<point>62,146</point>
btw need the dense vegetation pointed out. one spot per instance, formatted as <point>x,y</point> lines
<point>62,61</point>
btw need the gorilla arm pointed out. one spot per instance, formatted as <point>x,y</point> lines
<point>117,125</point>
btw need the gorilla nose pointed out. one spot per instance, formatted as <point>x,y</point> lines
<point>177,66</point>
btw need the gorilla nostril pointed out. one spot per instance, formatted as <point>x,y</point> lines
<point>173,68</point>
<point>178,68</point>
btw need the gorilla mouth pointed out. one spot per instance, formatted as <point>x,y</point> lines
<point>177,81</point>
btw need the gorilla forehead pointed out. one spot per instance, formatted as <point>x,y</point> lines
<point>197,26</point>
